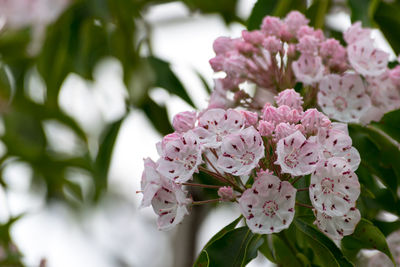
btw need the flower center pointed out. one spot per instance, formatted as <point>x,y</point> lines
<point>247,158</point>
<point>291,160</point>
<point>270,208</point>
<point>340,103</point>
<point>190,162</point>
<point>327,185</point>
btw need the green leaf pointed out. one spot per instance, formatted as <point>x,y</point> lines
<point>387,17</point>
<point>225,8</point>
<point>280,8</point>
<point>157,115</point>
<point>103,158</point>
<point>387,227</point>
<point>317,11</point>
<point>230,247</point>
<point>360,11</point>
<point>324,242</point>
<point>283,254</point>
<point>367,236</point>
<point>166,79</point>
<point>266,250</point>
<point>390,124</point>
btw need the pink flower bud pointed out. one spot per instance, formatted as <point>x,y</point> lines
<point>254,37</point>
<point>222,45</point>
<point>308,44</point>
<point>291,50</point>
<point>291,98</point>
<point>271,25</point>
<point>307,30</point>
<point>272,44</point>
<point>294,20</point>
<point>283,130</point>
<point>226,193</point>
<point>394,75</point>
<point>184,121</point>
<point>270,113</point>
<point>266,128</point>
<point>251,118</point>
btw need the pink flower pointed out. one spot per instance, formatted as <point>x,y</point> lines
<point>223,44</point>
<point>253,37</point>
<point>226,193</point>
<point>184,121</point>
<point>308,45</point>
<point>334,54</point>
<point>290,98</point>
<point>336,227</point>
<point>266,128</point>
<point>394,75</point>
<point>356,33</point>
<point>296,155</point>
<point>170,204</point>
<point>366,59</point>
<point>337,143</point>
<point>312,120</point>
<point>271,26</point>
<point>334,187</point>
<point>343,98</point>
<point>241,152</point>
<point>268,205</point>
<point>151,182</point>
<point>216,124</point>
<point>251,118</point>
<point>294,20</point>
<point>307,30</point>
<point>271,114</point>
<point>287,114</point>
<point>180,158</point>
<point>283,130</point>
<point>272,44</point>
<point>385,95</point>
<point>308,69</point>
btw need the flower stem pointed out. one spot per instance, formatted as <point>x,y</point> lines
<point>303,189</point>
<point>202,185</point>
<point>304,205</point>
<point>221,178</point>
<point>201,202</point>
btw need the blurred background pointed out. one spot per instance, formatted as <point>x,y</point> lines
<point>86,90</point>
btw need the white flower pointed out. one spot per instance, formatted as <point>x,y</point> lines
<point>336,227</point>
<point>343,98</point>
<point>241,152</point>
<point>308,69</point>
<point>334,187</point>
<point>297,155</point>
<point>268,205</point>
<point>170,204</point>
<point>366,59</point>
<point>180,157</point>
<point>217,123</point>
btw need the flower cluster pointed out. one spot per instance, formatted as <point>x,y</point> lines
<point>353,82</point>
<point>258,157</point>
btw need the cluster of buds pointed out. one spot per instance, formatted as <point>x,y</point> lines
<point>352,83</point>
<point>258,157</point>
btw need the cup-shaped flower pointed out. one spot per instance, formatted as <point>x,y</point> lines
<point>218,123</point>
<point>334,187</point>
<point>184,121</point>
<point>297,155</point>
<point>180,157</point>
<point>366,59</point>
<point>343,98</point>
<point>170,204</point>
<point>337,143</point>
<point>150,183</point>
<point>308,69</point>
<point>356,33</point>
<point>241,152</point>
<point>268,205</point>
<point>336,227</point>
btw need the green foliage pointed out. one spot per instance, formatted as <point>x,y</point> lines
<point>386,15</point>
<point>367,236</point>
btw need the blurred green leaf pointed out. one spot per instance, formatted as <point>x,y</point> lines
<point>367,236</point>
<point>280,8</point>
<point>166,79</point>
<point>266,250</point>
<point>158,116</point>
<point>387,17</point>
<point>283,253</point>
<point>323,241</point>
<point>390,124</point>
<point>317,12</point>
<point>387,227</point>
<point>104,155</point>
<point>360,11</point>
<point>225,8</point>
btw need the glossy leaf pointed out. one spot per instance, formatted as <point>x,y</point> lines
<point>367,236</point>
<point>324,242</point>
